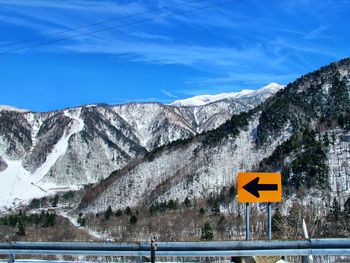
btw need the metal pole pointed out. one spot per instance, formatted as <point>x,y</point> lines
<point>269,220</point>
<point>11,258</point>
<point>247,224</point>
<point>306,259</point>
<point>139,258</point>
<point>153,250</point>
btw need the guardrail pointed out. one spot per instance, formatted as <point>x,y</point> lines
<point>334,247</point>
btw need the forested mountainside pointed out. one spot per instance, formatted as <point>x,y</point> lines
<point>42,153</point>
<point>287,133</point>
<point>186,189</point>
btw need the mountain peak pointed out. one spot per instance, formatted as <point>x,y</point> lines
<point>11,108</point>
<point>201,100</point>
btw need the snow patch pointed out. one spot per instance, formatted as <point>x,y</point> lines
<point>62,145</point>
<point>11,108</point>
<point>3,164</point>
<point>19,185</point>
<point>16,185</point>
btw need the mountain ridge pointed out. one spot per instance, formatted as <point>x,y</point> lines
<point>66,149</point>
<point>208,164</point>
<point>202,100</point>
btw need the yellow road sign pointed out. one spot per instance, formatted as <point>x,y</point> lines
<point>259,187</point>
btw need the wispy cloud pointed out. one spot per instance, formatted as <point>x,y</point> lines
<point>77,5</point>
<point>57,19</point>
<point>239,45</point>
<point>305,47</point>
<point>131,100</point>
<point>168,93</point>
<point>203,91</point>
<point>318,33</point>
<point>246,80</point>
<point>147,36</point>
<point>155,52</point>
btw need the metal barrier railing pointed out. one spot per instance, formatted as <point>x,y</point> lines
<point>315,247</point>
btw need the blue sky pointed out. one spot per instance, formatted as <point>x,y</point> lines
<point>122,51</point>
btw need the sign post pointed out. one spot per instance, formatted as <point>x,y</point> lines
<point>247,223</point>
<point>269,220</point>
<point>256,188</point>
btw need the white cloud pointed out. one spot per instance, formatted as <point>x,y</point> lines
<point>75,5</point>
<point>318,33</point>
<point>169,53</point>
<point>168,93</point>
<point>216,40</point>
<point>130,100</point>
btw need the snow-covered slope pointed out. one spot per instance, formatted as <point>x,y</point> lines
<point>201,100</point>
<point>192,170</point>
<point>155,124</point>
<point>11,108</point>
<point>18,183</point>
<point>208,162</point>
<point>41,153</point>
<point>338,157</point>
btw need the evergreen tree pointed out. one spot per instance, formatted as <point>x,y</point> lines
<point>128,211</point>
<point>277,223</point>
<point>20,227</point>
<point>335,210</point>
<point>47,219</point>
<point>221,226</point>
<point>108,213</point>
<point>118,213</point>
<point>187,202</point>
<point>153,209</point>
<point>346,215</point>
<point>216,208</point>
<point>36,219</point>
<point>54,201</point>
<point>35,203</point>
<point>333,138</point>
<point>347,208</point>
<point>232,192</point>
<point>172,205</point>
<point>339,101</point>
<point>133,220</point>
<point>294,220</point>
<point>82,221</point>
<point>207,232</point>
<point>326,139</point>
<point>12,220</point>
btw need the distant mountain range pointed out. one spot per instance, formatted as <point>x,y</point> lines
<point>303,131</point>
<point>201,100</point>
<point>141,154</point>
<point>45,152</point>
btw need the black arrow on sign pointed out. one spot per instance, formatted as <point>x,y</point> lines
<point>254,187</point>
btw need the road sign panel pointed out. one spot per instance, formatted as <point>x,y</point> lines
<point>259,187</point>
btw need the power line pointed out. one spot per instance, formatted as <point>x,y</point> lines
<point>113,19</point>
<point>118,26</point>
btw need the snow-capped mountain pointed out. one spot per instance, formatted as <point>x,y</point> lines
<point>202,146</point>
<point>201,100</point>
<point>11,108</point>
<point>45,152</point>
<point>286,133</point>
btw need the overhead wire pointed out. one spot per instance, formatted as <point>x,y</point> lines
<point>113,19</point>
<point>117,26</point>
